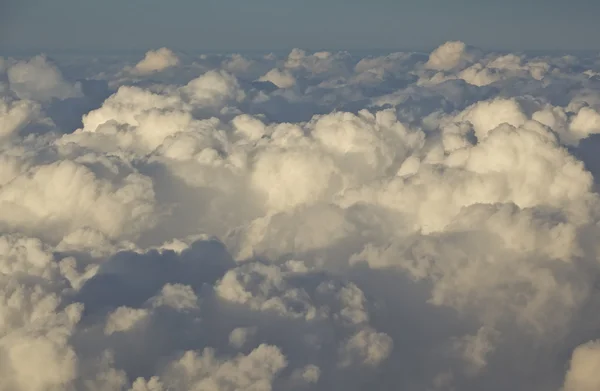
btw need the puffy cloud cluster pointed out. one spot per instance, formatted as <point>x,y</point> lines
<point>317,221</point>
<point>455,60</point>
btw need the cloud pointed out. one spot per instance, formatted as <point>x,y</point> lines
<point>282,79</point>
<point>156,61</point>
<point>456,60</point>
<point>39,79</point>
<point>254,371</point>
<point>583,371</point>
<point>311,221</point>
<point>450,55</point>
<point>16,115</point>
<point>57,199</point>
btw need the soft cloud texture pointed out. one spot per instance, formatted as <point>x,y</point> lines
<point>156,61</point>
<point>312,221</point>
<point>38,79</point>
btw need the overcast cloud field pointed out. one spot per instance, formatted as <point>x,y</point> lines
<point>308,221</point>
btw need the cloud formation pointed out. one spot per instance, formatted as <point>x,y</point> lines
<point>312,221</point>
<point>156,61</point>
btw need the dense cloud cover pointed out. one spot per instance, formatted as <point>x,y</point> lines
<point>313,221</point>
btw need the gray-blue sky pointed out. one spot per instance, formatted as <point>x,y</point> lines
<point>225,25</point>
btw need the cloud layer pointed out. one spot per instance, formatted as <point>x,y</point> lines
<point>317,221</point>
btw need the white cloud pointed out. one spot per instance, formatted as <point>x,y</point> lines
<point>366,347</point>
<point>586,122</point>
<point>56,199</point>
<point>239,336</point>
<point>583,371</point>
<point>392,222</point>
<point>450,55</point>
<point>488,115</point>
<point>15,115</point>
<point>282,79</point>
<point>38,79</point>
<point>255,371</point>
<point>123,319</point>
<point>156,61</point>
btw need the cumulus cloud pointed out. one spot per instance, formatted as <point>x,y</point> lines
<point>282,79</point>
<point>312,221</point>
<point>57,199</point>
<point>583,371</point>
<point>451,55</point>
<point>39,79</point>
<point>156,61</point>
<point>16,115</point>
<point>455,60</point>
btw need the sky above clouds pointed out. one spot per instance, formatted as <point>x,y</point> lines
<point>265,25</point>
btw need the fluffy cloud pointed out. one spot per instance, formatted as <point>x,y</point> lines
<point>156,61</point>
<point>39,79</point>
<point>450,55</point>
<point>16,115</point>
<point>282,79</point>
<point>583,371</point>
<point>455,60</point>
<point>316,221</point>
<point>254,371</point>
<point>56,199</point>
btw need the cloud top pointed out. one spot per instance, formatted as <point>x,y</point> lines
<point>306,221</point>
<point>156,61</point>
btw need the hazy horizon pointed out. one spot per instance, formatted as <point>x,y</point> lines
<point>267,25</point>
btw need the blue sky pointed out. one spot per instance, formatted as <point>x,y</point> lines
<point>248,25</point>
